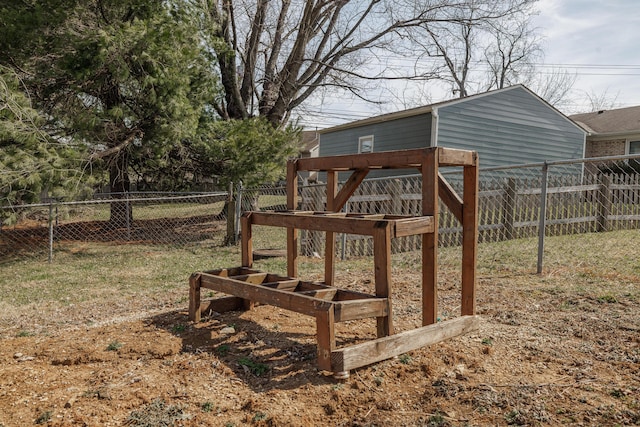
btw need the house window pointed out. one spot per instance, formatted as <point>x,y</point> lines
<point>365,144</point>
<point>634,147</point>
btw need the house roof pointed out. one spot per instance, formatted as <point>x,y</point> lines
<point>429,108</point>
<point>310,140</point>
<point>618,121</point>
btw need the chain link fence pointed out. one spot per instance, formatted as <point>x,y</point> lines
<point>145,218</point>
<point>518,202</point>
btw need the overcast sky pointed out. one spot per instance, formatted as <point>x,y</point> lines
<point>598,40</point>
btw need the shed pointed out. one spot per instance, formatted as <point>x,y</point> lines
<point>506,127</point>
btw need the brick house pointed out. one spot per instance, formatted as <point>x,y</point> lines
<point>611,132</point>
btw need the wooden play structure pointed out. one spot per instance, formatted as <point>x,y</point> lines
<point>324,299</point>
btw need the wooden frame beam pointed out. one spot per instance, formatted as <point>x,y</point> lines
<point>450,198</point>
<point>469,238</point>
<point>348,189</point>
<point>430,186</point>
<point>399,159</point>
<point>292,204</point>
<point>350,224</point>
<point>330,243</point>
<point>373,351</point>
<point>329,304</point>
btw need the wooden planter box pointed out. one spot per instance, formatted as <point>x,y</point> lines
<point>330,304</point>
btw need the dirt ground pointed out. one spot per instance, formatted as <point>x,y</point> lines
<point>545,354</point>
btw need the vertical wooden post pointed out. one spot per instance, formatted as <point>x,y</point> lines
<point>247,241</point>
<point>469,237</point>
<point>604,203</point>
<point>395,188</point>
<point>330,245</point>
<point>326,337</point>
<point>508,208</point>
<point>382,266</point>
<point>292,233</point>
<point>247,252</point>
<point>430,240</point>
<point>542,216</point>
<point>194,297</point>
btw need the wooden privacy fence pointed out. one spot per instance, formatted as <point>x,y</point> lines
<point>576,201</point>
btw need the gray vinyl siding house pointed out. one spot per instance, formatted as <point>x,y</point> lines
<point>507,127</point>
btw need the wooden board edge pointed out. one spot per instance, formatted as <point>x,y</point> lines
<point>380,349</point>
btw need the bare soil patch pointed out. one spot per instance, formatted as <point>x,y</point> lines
<point>551,350</point>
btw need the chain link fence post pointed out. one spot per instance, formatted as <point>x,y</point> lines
<point>543,215</point>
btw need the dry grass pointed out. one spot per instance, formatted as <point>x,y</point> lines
<point>603,266</point>
<point>561,348</point>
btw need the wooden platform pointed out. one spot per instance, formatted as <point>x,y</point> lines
<point>330,304</point>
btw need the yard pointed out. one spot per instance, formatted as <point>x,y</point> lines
<point>101,337</point>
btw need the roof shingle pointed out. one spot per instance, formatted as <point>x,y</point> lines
<point>621,120</point>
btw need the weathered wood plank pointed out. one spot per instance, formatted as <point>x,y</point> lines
<point>450,197</point>
<point>284,299</point>
<point>221,305</point>
<point>400,159</point>
<point>233,271</point>
<point>382,272</point>
<point>330,241</point>
<point>348,295</point>
<point>469,239</point>
<point>430,240</point>
<point>384,348</point>
<point>325,294</point>
<point>349,225</point>
<point>413,226</point>
<point>346,223</point>
<point>283,285</point>
<point>247,240</point>
<point>194,297</point>
<point>255,278</point>
<point>325,337</point>
<point>361,309</point>
<point>348,189</point>
<point>292,204</point>
<point>455,157</point>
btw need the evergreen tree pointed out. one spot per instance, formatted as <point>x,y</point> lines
<point>127,78</point>
<point>134,83</point>
<point>31,162</point>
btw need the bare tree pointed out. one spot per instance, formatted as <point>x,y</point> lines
<point>273,54</point>
<point>602,101</point>
<point>511,54</point>
<point>514,55</point>
<point>492,45</point>
<point>554,85</point>
<point>457,44</point>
